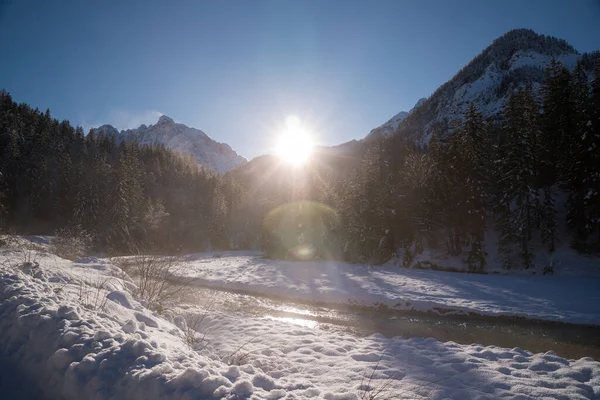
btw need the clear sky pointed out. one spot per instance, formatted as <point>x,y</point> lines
<point>236,69</point>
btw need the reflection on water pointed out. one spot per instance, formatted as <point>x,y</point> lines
<point>297,311</point>
<point>307,323</point>
<point>569,341</point>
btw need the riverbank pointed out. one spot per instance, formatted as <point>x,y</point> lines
<point>569,299</point>
<point>74,329</point>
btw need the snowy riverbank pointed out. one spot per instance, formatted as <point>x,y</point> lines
<point>565,298</point>
<point>74,330</point>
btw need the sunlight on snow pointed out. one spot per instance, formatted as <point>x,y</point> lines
<point>295,321</point>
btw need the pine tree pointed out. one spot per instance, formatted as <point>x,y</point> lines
<point>53,176</point>
<point>591,165</point>
<point>366,206</point>
<point>122,208</point>
<point>359,208</point>
<point>577,156</point>
<point>444,193</point>
<point>555,156</point>
<point>2,206</point>
<point>471,162</point>
<point>557,124</point>
<point>548,223</point>
<point>517,197</point>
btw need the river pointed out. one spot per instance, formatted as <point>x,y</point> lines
<point>567,340</point>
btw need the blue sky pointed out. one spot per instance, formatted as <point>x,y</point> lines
<point>236,69</point>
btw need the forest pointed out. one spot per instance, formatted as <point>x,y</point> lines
<point>522,176</point>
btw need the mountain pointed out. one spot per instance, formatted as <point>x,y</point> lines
<point>516,58</point>
<point>392,124</point>
<point>178,137</point>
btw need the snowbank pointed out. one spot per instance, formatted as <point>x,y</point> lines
<point>60,328</point>
<point>573,299</point>
<point>74,330</point>
<point>309,362</point>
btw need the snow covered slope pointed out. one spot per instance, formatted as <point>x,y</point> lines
<point>514,59</point>
<point>73,331</point>
<point>217,156</point>
<point>390,126</point>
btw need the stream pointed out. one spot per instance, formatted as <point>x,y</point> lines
<point>567,340</point>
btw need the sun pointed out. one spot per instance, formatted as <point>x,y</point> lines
<point>295,144</point>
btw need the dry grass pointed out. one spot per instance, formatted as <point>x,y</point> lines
<point>156,278</point>
<point>21,252</point>
<point>194,333</point>
<point>240,356</point>
<point>382,391</point>
<point>92,295</point>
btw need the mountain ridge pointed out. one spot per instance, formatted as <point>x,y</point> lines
<point>219,157</point>
<point>512,60</point>
<point>392,124</point>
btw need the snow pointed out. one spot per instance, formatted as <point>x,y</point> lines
<point>390,126</point>
<point>71,349</point>
<point>453,102</point>
<point>311,362</point>
<point>181,138</point>
<point>523,58</point>
<point>566,298</point>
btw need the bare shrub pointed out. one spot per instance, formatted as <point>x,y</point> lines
<point>156,278</point>
<point>240,356</point>
<point>382,391</point>
<point>21,251</point>
<point>71,243</point>
<point>93,294</point>
<point>195,333</point>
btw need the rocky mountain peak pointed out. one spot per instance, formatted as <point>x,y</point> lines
<point>178,137</point>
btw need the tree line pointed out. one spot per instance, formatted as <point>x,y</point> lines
<point>523,176</point>
<point>128,196</point>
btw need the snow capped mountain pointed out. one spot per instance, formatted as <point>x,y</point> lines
<point>390,126</point>
<point>517,58</point>
<point>181,138</point>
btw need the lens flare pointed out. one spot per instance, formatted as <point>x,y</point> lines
<point>303,230</point>
<point>304,251</point>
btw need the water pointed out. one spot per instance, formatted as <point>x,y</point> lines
<point>566,340</point>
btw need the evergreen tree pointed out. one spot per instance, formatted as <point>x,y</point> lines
<point>390,193</point>
<point>365,221</point>
<point>517,197</point>
<point>590,172</point>
<point>577,156</point>
<point>557,124</point>
<point>470,148</point>
<point>443,200</point>
<point>126,210</point>
<point>54,176</point>
<point>555,156</point>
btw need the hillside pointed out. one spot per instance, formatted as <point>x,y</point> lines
<point>510,182</point>
<point>515,59</point>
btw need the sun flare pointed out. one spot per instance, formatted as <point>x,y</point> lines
<point>295,143</point>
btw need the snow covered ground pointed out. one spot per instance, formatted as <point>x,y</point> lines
<point>565,298</point>
<point>304,361</point>
<point>74,329</point>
